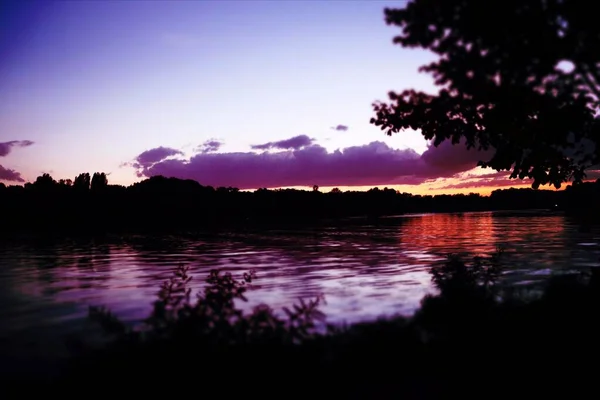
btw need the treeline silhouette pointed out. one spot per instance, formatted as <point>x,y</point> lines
<point>159,203</point>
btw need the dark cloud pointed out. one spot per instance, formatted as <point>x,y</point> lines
<point>373,164</point>
<point>7,174</point>
<point>484,182</point>
<point>152,156</point>
<point>209,146</point>
<point>448,159</point>
<point>499,178</point>
<point>10,175</point>
<point>491,174</point>
<point>592,174</point>
<point>295,143</point>
<point>6,147</point>
<point>340,128</point>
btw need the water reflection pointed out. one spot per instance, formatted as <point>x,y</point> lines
<point>444,233</point>
<point>363,271</point>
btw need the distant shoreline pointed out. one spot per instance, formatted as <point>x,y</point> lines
<point>168,205</point>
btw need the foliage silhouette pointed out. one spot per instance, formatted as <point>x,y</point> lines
<point>502,84</point>
<point>454,275</point>
<point>82,182</point>
<point>214,318</point>
<point>212,327</point>
<point>99,181</point>
<point>44,183</point>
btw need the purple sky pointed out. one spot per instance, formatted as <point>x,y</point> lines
<point>232,93</point>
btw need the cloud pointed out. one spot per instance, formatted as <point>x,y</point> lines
<point>372,164</point>
<point>592,174</point>
<point>340,128</point>
<point>7,174</point>
<point>453,158</point>
<point>503,180</point>
<point>492,174</point>
<point>150,157</point>
<point>10,175</point>
<point>294,143</point>
<point>209,146</point>
<point>6,147</point>
<point>498,178</point>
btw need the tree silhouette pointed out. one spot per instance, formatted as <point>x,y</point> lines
<point>99,181</point>
<point>161,204</point>
<point>44,182</point>
<point>503,83</point>
<point>82,182</point>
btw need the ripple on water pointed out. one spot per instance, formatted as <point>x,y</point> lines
<point>363,271</point>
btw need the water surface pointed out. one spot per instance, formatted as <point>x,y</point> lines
<point>364,270</point>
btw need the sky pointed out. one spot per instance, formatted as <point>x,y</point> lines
<point>230,93</point>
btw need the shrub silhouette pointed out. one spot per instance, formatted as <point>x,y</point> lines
<point>456,276</point>
<point>210,328</point>
<point>214,318</point>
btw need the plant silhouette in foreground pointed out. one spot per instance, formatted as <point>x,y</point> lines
<point>455,275</point>
<point>213,319</point>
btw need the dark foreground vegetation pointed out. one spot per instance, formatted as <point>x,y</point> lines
<point>474,339</point>
<point>158,204</point>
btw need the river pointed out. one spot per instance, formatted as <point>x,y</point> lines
<point>363,270</point>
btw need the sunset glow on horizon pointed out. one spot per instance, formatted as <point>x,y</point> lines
<point>424,189</point>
